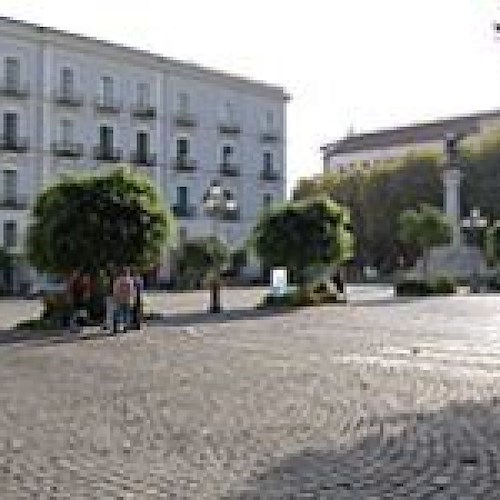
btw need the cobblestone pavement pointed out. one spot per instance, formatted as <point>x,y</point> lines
<point>378,398</point>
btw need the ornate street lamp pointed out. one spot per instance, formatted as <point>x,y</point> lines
<point>475,223</point>
<point>219,204</point>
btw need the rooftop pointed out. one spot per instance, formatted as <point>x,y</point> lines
<point>410,134</point>
<point>174,64</point>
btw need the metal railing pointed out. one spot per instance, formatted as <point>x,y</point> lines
<point>143,159</point>
<point>14,144</point>
<point>67,149</point>
<point>229,169</point>
<point>185,120</point>
<point>17,90</point>
<point>107,154</point>
<point>112,106</point>
<point>183,164</point>
<point>270,136</point>
<point>228,128</point>
<point>184,211</point>
<point>270,175</point>
<point>14,201</point>
<point>144,112</point>
<point>68,99</point>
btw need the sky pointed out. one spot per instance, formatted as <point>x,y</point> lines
<point>360,64</point>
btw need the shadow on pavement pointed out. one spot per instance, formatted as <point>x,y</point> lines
<point>444,454</point>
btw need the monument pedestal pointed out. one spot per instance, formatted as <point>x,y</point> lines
<point>457,261</point>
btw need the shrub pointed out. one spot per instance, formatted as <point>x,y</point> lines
<point>414,287</point>
<point>300,298</point>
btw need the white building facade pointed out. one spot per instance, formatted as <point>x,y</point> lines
<point>369,150</point>
<point>72,104</point>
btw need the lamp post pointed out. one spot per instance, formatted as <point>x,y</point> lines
<point>218,204</point>
<point>475,222</point>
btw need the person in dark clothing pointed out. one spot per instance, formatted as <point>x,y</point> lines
<point>338,282</point>
<point>137,306</point>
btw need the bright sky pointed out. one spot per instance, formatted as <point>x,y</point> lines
<point>360,63</point>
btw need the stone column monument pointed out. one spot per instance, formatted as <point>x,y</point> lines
<point>451,180</point>
<point>456,259</point>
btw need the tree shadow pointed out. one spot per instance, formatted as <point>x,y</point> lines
<point>443,454</point>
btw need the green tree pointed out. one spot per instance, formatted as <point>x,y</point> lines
<point>91,222</point>
<point>422,229</point>
<point>6,260</point>
<point>376,198</point>
<point>303,236</point>
<point>200,259</point>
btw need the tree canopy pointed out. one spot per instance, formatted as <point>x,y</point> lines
<point>88,223</point>
<point>424,228</point>
<point>303,235</point>
<point>200,257</point>
<point>376,198</point>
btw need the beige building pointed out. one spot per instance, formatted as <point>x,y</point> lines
<point>369,150</point>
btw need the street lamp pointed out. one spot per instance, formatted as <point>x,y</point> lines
<point>475,222</point>
<point>218,204</point>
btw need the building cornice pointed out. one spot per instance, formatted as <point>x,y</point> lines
<point>35,33</point>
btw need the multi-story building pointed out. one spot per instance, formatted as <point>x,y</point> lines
<point>74,104</point>
<point>369,150</point>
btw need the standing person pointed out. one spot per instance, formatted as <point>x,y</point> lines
<point>137,307</point>
<point>123,297</point>
<point>108,323</point>
<point>77,299</point>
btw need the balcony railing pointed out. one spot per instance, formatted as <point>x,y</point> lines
<point>270,175</point>
<point>65,149</point>
<point>14,144</point>
<point>229,128</point>
<point>14,202</point>
<point>110,106</point>
<point>68,99</point>
<point>184,211</point>
<point>229,169</point>
<point>230,215</point>
<point>270,136</point>
<point>184,164</point>
<point>107,154</point>
<point>143,159</point>
<point>17,91</point>
<point>185,120</point>
<point>144,112</point>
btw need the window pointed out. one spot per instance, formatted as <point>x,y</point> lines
<point>10,125</point>
<point>9,234</point>
<point>267,201</point>
<point>182,148</point>
<point>67,82</point>
<point>66,131</point>
<point>183,103</point>
<point>107,90</point>
<point>182,196</point>
<point>142,146</point>
<point>106,140</point>
<point>182,235</point>
<point>143,95</point>
<point>267,161</point>
<point>9,185</point>
<point>227,154</point>
<point>269,119</point>
<point>228,111</point>
<point>12,73</point>
<point>365,164</point>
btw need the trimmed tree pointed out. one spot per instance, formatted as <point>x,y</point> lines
<point>200,258</point>
<point>304,236</point>
<point>422,229</point>
<point>89,223</point>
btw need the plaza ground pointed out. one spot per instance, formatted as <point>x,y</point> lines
<point>379,398</point>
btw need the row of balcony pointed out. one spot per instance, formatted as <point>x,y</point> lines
<point>191,211</point>
<point>141,111</point>
<point>21,202</point>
